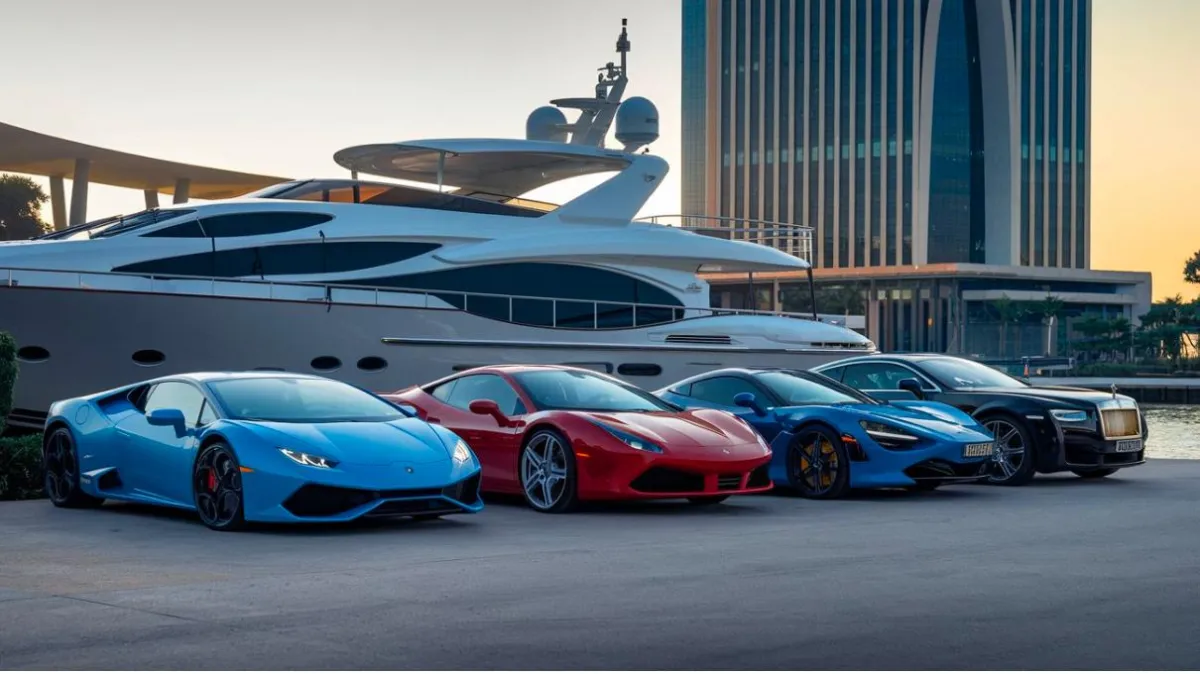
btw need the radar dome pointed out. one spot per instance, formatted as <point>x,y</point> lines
<point>637,123</point>
<point>544,124</point>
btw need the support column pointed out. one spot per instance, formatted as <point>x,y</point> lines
<point>182,187</point>
<point>79,192</point>
<point>58,202</point>
<point>776,303</point>
<point>151,198</point>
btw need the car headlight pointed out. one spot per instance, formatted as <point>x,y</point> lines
<point>631,440</point>
<point>306,459</point>
<point>888,436</point>
<point>461,453</point>
<point>1070,416</point>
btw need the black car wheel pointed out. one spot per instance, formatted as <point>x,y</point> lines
<point>1093,473</point>
<point>818,465</point>
<point>547,472</point>
<point>60,465</point>
<point>1013,461</point>
<point>217,488</point>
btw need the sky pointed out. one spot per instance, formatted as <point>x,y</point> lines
<point>275,87</point>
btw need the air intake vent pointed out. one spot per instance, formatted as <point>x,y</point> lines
<point>699,339</point>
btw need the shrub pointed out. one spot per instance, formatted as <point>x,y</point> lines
<point>21,468</point>
<point>8,375</point>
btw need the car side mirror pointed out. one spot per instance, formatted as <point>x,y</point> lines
<point>167,417</point>
<point>489,408</point>
<point>747,399</point>
<point>912,386</point>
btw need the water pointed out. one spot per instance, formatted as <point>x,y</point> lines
<point>1174,431</point>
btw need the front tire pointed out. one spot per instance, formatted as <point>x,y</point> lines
<point>1014,462</point>
<point>217,488</point>
<point>547,472</point>
<point>1093,473</point>
<point>60,467</point>
<point>818,464</point>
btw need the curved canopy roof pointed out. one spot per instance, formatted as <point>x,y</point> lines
<point>33,153</point>
<point>508,167</point>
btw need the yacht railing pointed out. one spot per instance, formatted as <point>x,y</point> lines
<point>794,239</point>
<point>347,294</point>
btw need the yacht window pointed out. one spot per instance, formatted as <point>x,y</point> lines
<point>591,297</point>
<point>392,194</point>
<point>300,258</point>
<point>258,223</point>
<point>117,224</point>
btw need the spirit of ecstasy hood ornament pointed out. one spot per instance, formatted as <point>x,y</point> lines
<point>1114,390</point>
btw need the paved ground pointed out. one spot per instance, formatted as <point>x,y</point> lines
<point>1063,574</point>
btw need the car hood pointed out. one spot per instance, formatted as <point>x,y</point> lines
<point>936,421</point>
<point>1069,394</point>
<point>372,443</point>
<point>693,428</point>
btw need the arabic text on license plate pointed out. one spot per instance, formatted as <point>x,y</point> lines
<point>1134,445</point>
<point>978,449</point>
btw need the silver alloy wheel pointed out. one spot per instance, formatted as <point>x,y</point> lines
<point>1010,449</point>
<point>544,470</point>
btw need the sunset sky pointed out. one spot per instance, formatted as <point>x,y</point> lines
<point>277,87</point>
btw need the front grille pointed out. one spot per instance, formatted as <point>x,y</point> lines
<point>728,482</point>
<point>761,477</point>
<point>668,480</point>
<point>1121,423</point>
<point>935,469</point>
<point>314,500</point>
<point>465,491</point>
<point>416,507</point>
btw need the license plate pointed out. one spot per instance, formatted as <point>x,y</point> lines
<point>978,450</point>
<point>1134,445</point>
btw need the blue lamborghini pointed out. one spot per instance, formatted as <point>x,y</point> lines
<point>256,447</point>
<point>827,438</point>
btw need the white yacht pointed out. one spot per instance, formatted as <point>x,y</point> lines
<point>437,267</point>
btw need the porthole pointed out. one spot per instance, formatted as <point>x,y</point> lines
<point>149,357</point>
<point>372,364</point>
<point>33,354</point>
<point>325,363</point>
<point>639,369</point>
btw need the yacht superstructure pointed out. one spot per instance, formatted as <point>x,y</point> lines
<point>385,284</point>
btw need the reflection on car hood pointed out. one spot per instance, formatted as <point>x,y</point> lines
<point>693,428</point>
<point>370,443</point>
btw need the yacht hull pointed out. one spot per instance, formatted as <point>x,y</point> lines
<point>89,339</point>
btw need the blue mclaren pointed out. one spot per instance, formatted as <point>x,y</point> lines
<point>256,447</point>
<point>827,438</point>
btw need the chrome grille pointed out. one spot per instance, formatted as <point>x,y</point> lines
<point>1121,423</point>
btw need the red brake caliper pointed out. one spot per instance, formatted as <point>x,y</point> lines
<point>212,480</point>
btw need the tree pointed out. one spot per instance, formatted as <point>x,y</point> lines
<point>1191,268</point>
<point>21,202</point>
<point>1050,309</point>
<point>1009,312</point>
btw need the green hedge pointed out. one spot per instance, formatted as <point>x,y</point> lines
<point>21,468</point>
<point>8,375</point>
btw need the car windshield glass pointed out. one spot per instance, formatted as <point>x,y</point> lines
<point>804,388</point>
<point>959,373</point>
<point>300,400</point>
<point>571,390</point>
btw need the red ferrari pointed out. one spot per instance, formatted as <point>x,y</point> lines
<point>559,435</point>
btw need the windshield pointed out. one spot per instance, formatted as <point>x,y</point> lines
<point>117,224</point>
<point>805,388</point>
<point>959,373</point>
<point>300,400</point>
<point>570,390</point>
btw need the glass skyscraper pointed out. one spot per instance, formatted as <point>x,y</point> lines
<point>904,132</point>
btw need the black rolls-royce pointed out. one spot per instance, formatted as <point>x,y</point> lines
<point>1038,429</point>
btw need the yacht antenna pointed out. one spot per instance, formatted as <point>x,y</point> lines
<point>596,114</point>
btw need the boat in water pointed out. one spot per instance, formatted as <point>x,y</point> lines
<point>437,266</point>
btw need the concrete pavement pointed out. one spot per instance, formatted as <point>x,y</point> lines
<point>1062,574</point>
